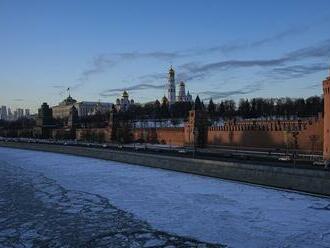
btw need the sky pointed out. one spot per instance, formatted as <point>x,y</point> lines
<point>222,49</point>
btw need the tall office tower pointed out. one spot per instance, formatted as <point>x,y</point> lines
<point>171,86</point>
<point>3,113</point>
<point>20,113</point>
<point>10,115</point>
<point>27,113</point>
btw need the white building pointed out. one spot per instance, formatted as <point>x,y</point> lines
<point>171,90</point>
<point>183,97</point>
<point>90,108</point>
<point>171,95</point>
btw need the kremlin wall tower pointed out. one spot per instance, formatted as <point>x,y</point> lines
<point>326,129</point>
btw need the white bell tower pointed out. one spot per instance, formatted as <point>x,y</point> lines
<point>171,86</point>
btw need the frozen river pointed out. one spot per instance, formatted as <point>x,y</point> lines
<point>59,200</point>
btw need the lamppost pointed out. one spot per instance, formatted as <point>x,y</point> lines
<point>295,140</point>
<point>313,139</point>
<point>195,135</point>
<point>294,134</point>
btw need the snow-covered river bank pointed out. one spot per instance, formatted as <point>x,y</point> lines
<point>206,209</point>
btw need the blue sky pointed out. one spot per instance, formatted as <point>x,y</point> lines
<point>222,49</point>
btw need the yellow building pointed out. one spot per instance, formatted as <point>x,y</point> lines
<point>84,108</point>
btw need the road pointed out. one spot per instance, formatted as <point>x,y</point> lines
<point>247,156</point>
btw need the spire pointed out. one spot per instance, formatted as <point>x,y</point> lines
<point>125,94</point>
<point>197,104</point>
<point>171,86</point>
<point>171,71</point>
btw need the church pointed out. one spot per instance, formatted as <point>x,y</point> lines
<point>171,89</point>
<point>124,103</point>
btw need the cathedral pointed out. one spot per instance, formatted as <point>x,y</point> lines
<point>171,90</point>
<point>124,103</point>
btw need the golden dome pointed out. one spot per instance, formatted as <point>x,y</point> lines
<point>164,99</point>
<point>125,94</point>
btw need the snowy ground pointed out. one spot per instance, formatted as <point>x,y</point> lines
<point>96,198</point>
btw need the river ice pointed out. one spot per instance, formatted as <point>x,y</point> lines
<point>178,204</point>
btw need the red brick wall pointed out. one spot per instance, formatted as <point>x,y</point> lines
<point>270,134</point>
<point>173,136</point>
<point>105,132</point>
<point>273,139</point>
<point>310,136</point>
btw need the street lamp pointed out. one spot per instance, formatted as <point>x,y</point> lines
<point>195,135</point>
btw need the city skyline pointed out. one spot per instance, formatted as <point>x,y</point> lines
<point>10,114</point>
<point>99,50</point>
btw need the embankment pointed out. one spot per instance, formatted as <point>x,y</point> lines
<point>311,181</point>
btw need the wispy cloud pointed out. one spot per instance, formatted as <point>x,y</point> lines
<point>99,64</point>
<point>239,45</point>
<point>105,61</point>
<point>312,86</point>
<point>61,89</point>
<point>151,55</point>
<point>280,36</point>
<point>216,95</point>
<point>297,71</point>
<point>137,87</point>
<point>149,78</point>
<point>279,68</point>
<point>58,86</point>
<point>319,51</point>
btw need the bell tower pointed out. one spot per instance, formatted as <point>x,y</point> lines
<point>171,86</point>
<point>326,130</point>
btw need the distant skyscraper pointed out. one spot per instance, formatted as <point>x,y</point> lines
<point>20,113</point>
<point>27,112</point>
<point>10,115</point>
<point>171,86</point>
<point>3,113</point>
